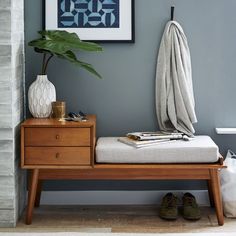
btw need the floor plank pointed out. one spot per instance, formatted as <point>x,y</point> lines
<point>139,219</point>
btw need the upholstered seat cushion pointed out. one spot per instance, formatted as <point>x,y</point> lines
<point>201,149</point>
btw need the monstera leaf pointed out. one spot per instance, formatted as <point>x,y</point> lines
<point>61,44</point>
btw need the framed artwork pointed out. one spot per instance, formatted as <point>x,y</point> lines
<point>92,20</point>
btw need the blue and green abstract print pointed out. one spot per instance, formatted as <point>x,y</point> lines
<point>88,13</point>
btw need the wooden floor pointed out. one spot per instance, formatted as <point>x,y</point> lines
<point>139,219</point>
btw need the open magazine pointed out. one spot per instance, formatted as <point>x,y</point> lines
<point>140,144</point>
<point>141,136</point>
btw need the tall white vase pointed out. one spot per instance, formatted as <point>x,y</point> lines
<point>40,96</point>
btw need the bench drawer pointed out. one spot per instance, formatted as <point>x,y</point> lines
<point>57,156</point>
<point>57,136</point>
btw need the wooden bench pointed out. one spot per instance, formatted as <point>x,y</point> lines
<point>209,172</point>
<point>45,153</point>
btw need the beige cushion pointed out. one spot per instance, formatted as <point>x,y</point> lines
<point>201,149</point>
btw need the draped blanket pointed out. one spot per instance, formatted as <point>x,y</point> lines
<point>175,106</point>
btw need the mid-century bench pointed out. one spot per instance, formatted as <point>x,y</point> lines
<point>52,149</point>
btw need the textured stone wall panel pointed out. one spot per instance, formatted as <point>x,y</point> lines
<point>5,74</point>
<point>5,121</point>
<point>12,178</point>
<point>6,217</point>
<point>5,4</point>
<point>6,164</point>
<point>7,202</point>
<point>6,134</point>
<point>6,146</point>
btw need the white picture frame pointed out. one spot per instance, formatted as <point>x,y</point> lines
<point>69,15</point>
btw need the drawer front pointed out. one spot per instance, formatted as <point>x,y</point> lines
<point>57,156</point>
<point>57,137</point>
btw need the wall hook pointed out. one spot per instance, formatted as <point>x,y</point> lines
<point>172,13</point>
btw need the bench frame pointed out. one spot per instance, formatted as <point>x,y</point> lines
<point>206,171</point>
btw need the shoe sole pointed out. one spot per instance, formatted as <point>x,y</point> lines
<point>168,218</point>
<point>192,218</point>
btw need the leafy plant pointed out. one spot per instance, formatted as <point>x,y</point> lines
<point>62,44</point>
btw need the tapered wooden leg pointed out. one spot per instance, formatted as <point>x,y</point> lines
<point>32,195</point>
<point>215,184</point>
<point>210,193</point>
<point>38,194</point>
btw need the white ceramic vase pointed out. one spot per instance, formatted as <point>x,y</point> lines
<point>40,96</point>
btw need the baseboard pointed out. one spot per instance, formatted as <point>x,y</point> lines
<point>115,197</point>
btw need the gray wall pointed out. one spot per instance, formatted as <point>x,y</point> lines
<point>124,99</point>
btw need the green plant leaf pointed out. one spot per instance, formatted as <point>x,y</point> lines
<point>70,40</point>
<point>89,68</point>
<point>41,50</point>
<point>70,56</point>
<point>59,34</point>
<point>62,44</point>
<point>49,45</point>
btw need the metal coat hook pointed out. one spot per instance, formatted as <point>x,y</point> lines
<point>172,12</point>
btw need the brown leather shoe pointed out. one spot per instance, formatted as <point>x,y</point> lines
<point>191,209</point>
<point>169,210</point>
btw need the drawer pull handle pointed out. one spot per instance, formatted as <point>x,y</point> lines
<point>57,136</point>
<point>57,155</point>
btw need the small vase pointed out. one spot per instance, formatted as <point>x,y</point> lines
<point>41,94</point>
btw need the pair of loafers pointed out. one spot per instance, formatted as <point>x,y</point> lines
<point>169,208</point>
